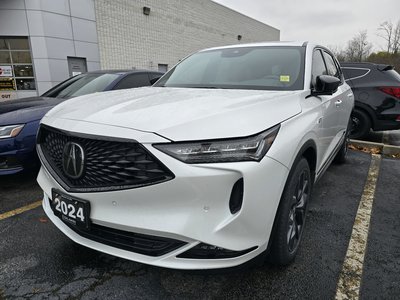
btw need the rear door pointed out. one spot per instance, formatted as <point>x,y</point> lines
<point>357,78</point>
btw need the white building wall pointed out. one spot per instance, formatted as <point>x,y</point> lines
<point>174,29</point>
<point>56,29</point>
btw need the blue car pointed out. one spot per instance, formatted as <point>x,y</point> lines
<point>19,119</point>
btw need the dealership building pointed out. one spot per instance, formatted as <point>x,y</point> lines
<point>43,42</point>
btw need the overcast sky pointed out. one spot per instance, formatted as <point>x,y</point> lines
<point>327,22</point>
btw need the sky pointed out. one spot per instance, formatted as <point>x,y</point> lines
<point>326,22</point>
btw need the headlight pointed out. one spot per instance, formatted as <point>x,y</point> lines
<point>252,148</point>
<point>10,131</point>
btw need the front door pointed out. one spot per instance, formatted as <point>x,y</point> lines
<point>327,128</point>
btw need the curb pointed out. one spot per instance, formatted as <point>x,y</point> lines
<point>389,150</point>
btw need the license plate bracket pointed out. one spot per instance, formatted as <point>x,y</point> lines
<point>73,211</point>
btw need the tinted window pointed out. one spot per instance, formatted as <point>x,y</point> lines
<point>82,85</point>
<point>261,68</point>
<point>133,81</point>
<point>351,73</point>
<point>154,77</point>
<point>318,66</point>
<point>331,66</point>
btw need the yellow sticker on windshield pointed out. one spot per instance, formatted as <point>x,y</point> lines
<point>285,78</point>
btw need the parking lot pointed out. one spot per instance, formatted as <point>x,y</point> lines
<point>386,137</point>
<point>37,261</point>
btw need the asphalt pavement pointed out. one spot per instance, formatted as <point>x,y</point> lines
<point>38,262</point>
<point>382,268</point>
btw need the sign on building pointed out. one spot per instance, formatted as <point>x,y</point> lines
<point>7,84</point>
<point>7,96</point>
<point>6,71</point>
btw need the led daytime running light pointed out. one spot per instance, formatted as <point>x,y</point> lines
<point>251,148</point>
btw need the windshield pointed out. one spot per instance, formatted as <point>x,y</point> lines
<point>260,68</point>
<point>82,85</point>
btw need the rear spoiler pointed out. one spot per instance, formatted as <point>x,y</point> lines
<point>382,67</point>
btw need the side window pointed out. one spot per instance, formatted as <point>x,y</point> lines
<point>318,66</point>
<point>133,81</point>
<point>331,66</point>
<point>350,73</point>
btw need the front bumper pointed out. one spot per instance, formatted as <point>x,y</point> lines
<point>192,208</point>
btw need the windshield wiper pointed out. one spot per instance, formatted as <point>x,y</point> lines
<point>205,87</point>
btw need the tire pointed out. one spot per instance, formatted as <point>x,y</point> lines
<point>361,124</point>
<point>340,157</point>
<point>291,215</point>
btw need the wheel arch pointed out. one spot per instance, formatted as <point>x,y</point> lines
<point>308,151</point>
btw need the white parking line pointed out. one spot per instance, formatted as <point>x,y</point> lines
<point>350,277</point>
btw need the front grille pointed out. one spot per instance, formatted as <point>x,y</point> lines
<point>109,164</point>
<point>130,241</point>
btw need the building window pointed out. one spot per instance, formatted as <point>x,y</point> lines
<point>16,70</point>
<point>163,67</point>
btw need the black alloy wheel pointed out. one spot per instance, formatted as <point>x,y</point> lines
<point>291,215</point>
<point>361,124</point>
<point>297,213</point>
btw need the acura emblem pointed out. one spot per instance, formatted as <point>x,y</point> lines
<point>73,160</point>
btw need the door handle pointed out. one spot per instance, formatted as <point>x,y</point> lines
<point>338,103</point>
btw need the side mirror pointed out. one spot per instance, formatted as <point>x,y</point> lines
<point>325,85</point>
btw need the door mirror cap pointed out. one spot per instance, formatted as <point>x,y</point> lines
<point>326,85</point>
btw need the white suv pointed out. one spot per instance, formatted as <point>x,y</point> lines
<point>209,168</point>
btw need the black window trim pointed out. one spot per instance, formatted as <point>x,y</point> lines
<point>357,77</point>
<point>337,65</point>
<point>336,62</point>
<point>319,49</point>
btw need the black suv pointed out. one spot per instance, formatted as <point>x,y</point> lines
<point>376,90</point>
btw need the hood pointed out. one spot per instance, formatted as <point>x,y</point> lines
<point>26,110</point>
<point>183,113</point>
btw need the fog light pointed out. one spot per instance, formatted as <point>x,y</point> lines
<point>206,251</point>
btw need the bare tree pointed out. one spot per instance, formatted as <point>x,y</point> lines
<point>358,48</point>
<point>338,51</point>
<point>391,34</point>
<point>396,39</point>
<point>386,32</point>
